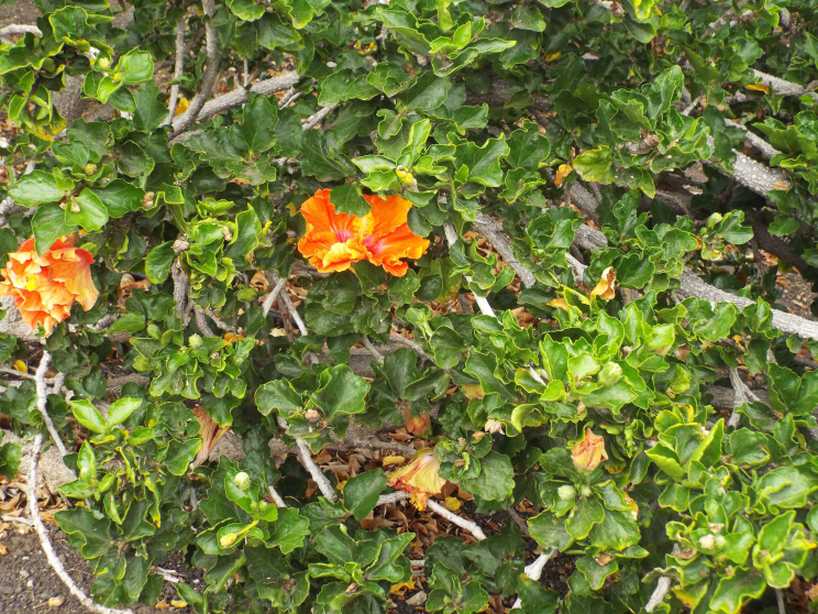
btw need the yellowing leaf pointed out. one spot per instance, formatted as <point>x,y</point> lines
<point>758,87</point>
<point>20,366</point>
<point>553,56</point>
<point>473,391</point>
<point>393,459</point>
<point>178,603</point>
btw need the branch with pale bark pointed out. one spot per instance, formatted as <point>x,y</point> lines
<point>211,72</point>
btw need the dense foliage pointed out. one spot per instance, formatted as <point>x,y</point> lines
<point>579,394</point>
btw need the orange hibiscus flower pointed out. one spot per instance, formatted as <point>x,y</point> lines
<point>335,241</point>
<point>44,287</point>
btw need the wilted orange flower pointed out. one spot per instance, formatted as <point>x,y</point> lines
<point>420,478</point>
<point>45,287</point>
<point>606,286</point>
<point>335,241</point>
<point>589,452</point>
<point>209,431</point>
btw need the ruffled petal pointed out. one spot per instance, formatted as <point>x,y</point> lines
<point>390,250</point>
<point>44,287</point>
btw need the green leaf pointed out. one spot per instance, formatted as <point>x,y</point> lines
<point>135,67</point>
<point>361,492</point>
<point>181,454</point>
<point>495,482</point>
<point>595,165</point>
<point>549,531</point>
<point>48,225</point>
<point>277,395</point>
<point>87,211</point>
<point>586,514</point>
<point>120,198</point>
<point>159,261</point>
<point>733,592</point>
<point>246,10</point>
<point>347,199</point>
<point>786,487</point>
<point>259,121</point>
<point>290,530</point>
<point>341,392</point>
<point>342,86</point>
<point>39,188</point>
<point>88,416</point>
<point>483,163</point>
<point>121,409</point>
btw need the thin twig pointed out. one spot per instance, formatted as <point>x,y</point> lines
<point>694,286</point>
<point>659,593</point>
<point>178,68</point>
<point>275,496</point>
<point>492,230</point>
<point>239,96</point>
<point>779,600</point>
<point>180,291</point>
<point>42,402</point>
<point>201,322</point>
<point>315,119</point>
<point>288,304</point>
<point>534,571</point>
<point>314,470</point>
<point>742,394</point>
<point>271,297</point>
<point>392,497</point>
<point>211,70</point>
<point>45,543</point>
<point>218,321</point>
<point>169,575</point>
<point>482,303</point>
<point>411,344</point>
<point>372,349</point>
<point>466,525</point>
<point>19,28</point>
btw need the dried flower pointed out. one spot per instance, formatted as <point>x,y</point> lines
<point>605,287</point>
<point>44,287</point>
<point>420,478</point>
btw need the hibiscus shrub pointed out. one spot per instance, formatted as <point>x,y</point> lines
<point>453,305</point>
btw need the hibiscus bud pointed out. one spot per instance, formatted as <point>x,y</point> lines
<point>566,492</point>
<point>589,452</point>
<point>228,539</point>
<point>242,480</point>
<point>707,542</point>
<point>610,374</point>
<point>420,478</point>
